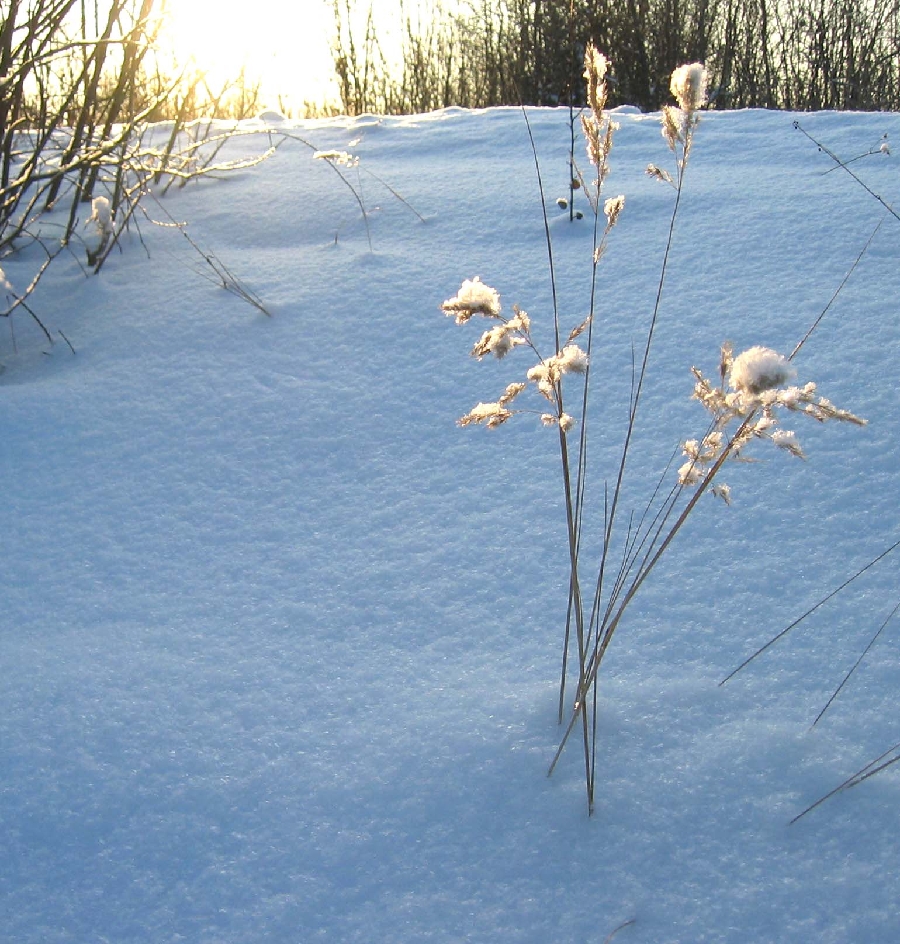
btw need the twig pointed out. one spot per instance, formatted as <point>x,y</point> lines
<point>72,349</point>
<point>226,278</point>
<point>392,191</point>
<point>843,166</point>
<point>837,292</point>
<point>615,931</point>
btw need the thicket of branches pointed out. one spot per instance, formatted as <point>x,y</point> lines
<point>80,85</point>
<point>799,55</point>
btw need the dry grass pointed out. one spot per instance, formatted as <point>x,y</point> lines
<point>747,404</point>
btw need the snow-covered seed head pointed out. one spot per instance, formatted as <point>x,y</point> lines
<point>690,473</point>
<point>491,414</point>
<point>511,392</point>
<point>473,298</point>
<point>759,369</point>
<point>757,377</point>
<point>497,341</point>
<point>572,360</point>
<point>612,208</point>
<point>545,376</point>
<point>722,491</point>
<point>595,68</point>
<point>658,173</point>
<point>688,85</point>
<point>787,439</point>
<point>337,157</point>
<point>563,421</point>
<point>519,321</point>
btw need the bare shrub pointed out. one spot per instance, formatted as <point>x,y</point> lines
<point>80,86</point>
<point>789,54</point>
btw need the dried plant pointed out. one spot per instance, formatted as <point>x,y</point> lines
<point>78,152</point>
<point>884,760</point>
<point>748,403</point>
<point>749,411</point>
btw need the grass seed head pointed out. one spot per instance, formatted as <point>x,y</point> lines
<point>595,69</point>
<point>344,158</point>
<point>758,369</point>
<point>688,85</point>
<point>658,173</point>
<point>612,208</point>
<point>497,341</point>
<point>473,298</point>
<point>491,415</point>
<point>673,122</point>
<point>572,360</point>
<point>511,392</point>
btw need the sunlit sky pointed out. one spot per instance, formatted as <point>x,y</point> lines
<point>284,44</point>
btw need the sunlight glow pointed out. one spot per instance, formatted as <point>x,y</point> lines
<point>286,46</point>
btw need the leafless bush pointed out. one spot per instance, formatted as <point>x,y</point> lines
<point>790,54</point>
<point>76,154</point>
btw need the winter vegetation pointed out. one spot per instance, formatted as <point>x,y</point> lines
<point>744,407</point>
<point>77,167</point>
<point>288,656</point>
<point>791,54</point>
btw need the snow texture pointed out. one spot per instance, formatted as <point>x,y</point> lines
<point>280,643</point>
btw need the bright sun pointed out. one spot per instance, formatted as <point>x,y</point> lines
<point>283,45</point>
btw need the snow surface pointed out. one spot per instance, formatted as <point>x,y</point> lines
<point>280,643</point>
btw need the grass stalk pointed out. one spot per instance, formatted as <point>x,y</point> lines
<point>743,408</point>
<point>778,636</point>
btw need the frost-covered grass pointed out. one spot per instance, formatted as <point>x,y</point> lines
<point>280,642</point>
<point>745,406</point>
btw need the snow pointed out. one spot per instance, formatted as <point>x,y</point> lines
<point>759,368</point>
<point>280,643</point>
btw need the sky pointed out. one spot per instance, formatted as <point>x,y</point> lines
<point>287,45</point>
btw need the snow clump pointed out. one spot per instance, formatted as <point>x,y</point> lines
<point>473,298</point>
<point>758,369</point>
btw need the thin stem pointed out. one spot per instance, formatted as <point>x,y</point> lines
<point>865,651</point>
<point>610,627</point>
<point>809,612</point>
<point>837,292</point>
<point>872,768</point>
<point>843,166</point>
<point>547,240</point>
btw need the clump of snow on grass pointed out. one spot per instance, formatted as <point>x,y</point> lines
<point>473,298</point>
<point>758,369</point>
